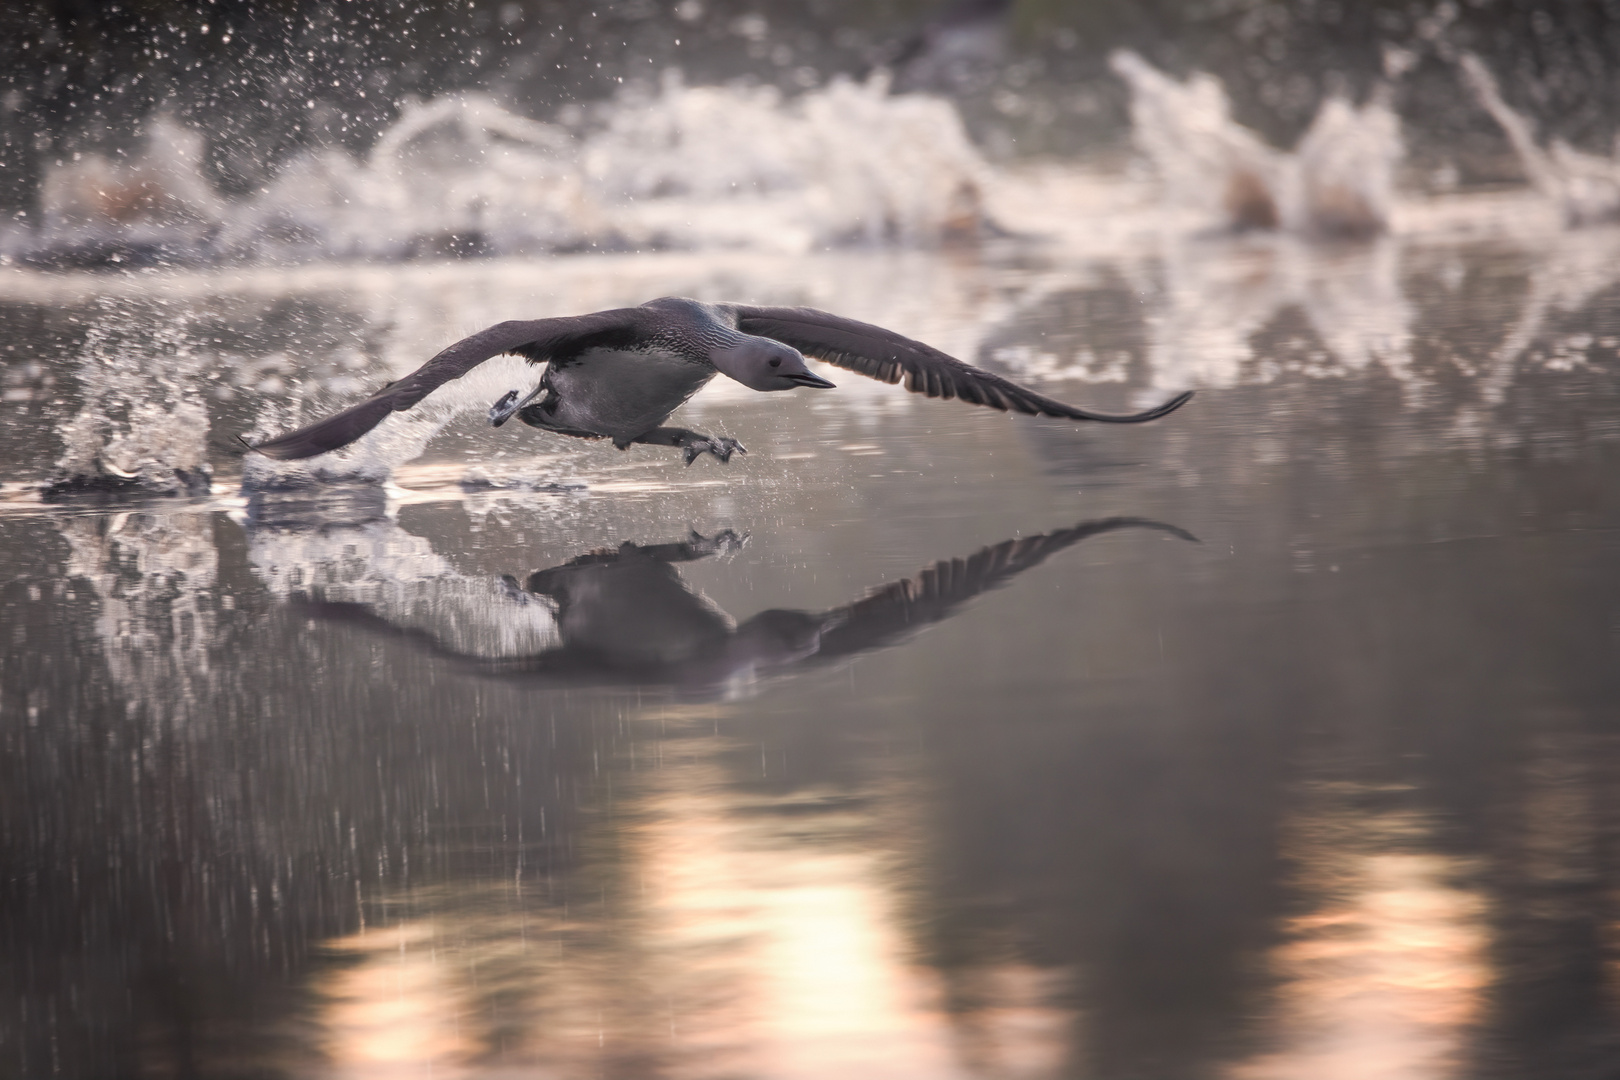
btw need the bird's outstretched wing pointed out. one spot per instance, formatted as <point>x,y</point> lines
<point>903,607</point>
<point>537,339</point>
<point>883,354</point>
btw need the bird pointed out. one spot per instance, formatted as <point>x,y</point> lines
<point>618,374</point>
<point>625,615</point>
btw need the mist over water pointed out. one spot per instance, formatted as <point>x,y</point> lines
<point>1273,738</point>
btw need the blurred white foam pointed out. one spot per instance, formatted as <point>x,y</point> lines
<point>163,186</point>
<point>1339,181</point>
<point>680,167</point>
<point>1585,187</point>
<point>458,172</point>
<point>1206,161</point>
<point>740,167</point>
<point>1345,166</point>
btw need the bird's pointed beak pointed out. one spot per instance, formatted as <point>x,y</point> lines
<point>810,378</point>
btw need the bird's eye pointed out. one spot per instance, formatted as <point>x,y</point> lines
<point>776,363</point>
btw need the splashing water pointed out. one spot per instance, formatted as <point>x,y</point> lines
<point>685,167</point>
<point>1345,166</point>
<point>1339,181</point>
<point>143,429</point>
<point>402,437</point>
<point>398,577</point>
<point>1585,187</point>
<point>1186,131</point>
<point>453,176</point>
<point>163,186</point>
<point>733,167</point>
<point>155,205</point>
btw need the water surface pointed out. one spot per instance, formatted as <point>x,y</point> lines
<point>917,742</point>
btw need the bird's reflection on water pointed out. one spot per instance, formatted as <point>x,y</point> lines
<point>626,615</point>
<point>760,935</point>
<point>304,787</point>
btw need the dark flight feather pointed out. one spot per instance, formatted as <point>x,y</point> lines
<point>882,354</point>
<point>903,607</point>
<point>859,347</point>
<point>537,340</point>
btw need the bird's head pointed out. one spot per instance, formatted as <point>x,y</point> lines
<point>763,364</point>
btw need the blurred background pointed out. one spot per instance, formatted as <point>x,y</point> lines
<point>265,82</point>
<point>83,76</point>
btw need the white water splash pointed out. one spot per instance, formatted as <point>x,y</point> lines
<point>1339,181</point>
<point>401,436</point>
<point>1585,187</point>
<point>457,171</point>
<point>736,167</point>
<point>683,167</point>
<point>397,576</point>
<point>144,423</point>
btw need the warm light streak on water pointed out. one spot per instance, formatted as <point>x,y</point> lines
<point>393,1010</point>
<point>1386,976</point>
<point>758,938</point>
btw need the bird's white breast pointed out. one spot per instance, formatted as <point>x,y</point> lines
<point>625,393</point>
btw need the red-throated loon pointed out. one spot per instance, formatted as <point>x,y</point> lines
<point>619,374</point>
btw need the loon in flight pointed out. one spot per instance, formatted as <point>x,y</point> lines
<point>619,374</point>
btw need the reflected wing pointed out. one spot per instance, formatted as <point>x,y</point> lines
<point>558,663</point>
<point>537,339</point>
<point>883,354</point>
<point>937,592</point>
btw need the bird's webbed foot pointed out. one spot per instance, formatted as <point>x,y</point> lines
<point>718,445</point>
<point>504,409</point>
<point>692,443</point>
<point>509,404</point>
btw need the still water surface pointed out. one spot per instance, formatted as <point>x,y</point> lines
<point>1275,739</point>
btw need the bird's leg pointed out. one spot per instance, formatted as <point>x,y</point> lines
<point>697,546</point>
<point>536,416</point>
<point>692,443</point>
<point>504,409</point>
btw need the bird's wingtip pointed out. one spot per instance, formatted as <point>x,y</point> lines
<point>1168,407</point>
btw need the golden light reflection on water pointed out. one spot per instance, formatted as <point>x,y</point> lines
<point>1386,977</point>
<point>732,935</point>
<point>395,1012</point>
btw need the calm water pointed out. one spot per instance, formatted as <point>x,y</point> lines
<point>920,742</point>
